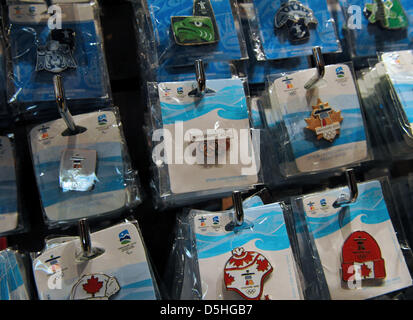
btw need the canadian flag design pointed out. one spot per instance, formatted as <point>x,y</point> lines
<point>361,255</point>
<point>95,287</point>
<point>245,273</point>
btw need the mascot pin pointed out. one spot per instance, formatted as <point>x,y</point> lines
<point>245,273</point>
<point>198,29</point>
<point>324,121</point>
<point>389,13</point>
<point>56,55</point>
<point>297,17</point>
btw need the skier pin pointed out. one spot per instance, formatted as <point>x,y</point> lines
<point>324,121</point>
<point>361,258</point>
<point>389,13</point>
<point>95,287</point>
<point>199,29</point>
<point>297,17</point>
<point>245,273</point>
<point>56,55</point>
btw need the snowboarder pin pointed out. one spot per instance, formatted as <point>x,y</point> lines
<point>324,121</point>
<point>245,273</point>
<point>297,17</point>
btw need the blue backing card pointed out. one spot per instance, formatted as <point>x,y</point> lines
<point>269,233</point>
<point>276,44</point>
<point>169,53</point>
<point>86,81</point>
<point>371,38</point>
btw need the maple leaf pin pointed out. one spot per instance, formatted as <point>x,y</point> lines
<point>324,121</point>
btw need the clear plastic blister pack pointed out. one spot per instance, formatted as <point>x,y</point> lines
<point>352,247</point>
<point>64,39</point>
<point>13,276</point>
<point>374,26</point>
<point>320,126</point>
<point>11,220</point>
<point>254,261</point>
<point>116,268</point>
<point>291,28</point>
<point>387,97</point>
<point>152,71</point>
<point>257,71</point>
<point>202,146</point>
<point>85,173</point>
<point>186,30</point>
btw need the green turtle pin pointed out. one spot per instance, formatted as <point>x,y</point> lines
<point>198,29</point>
<point>389,13</point>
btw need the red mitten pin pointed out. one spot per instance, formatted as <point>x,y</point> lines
<point>362,255</point>
<point>245,273</point>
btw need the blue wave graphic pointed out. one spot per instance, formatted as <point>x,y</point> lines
<point>268,231</point>
<point>370,206</point>
<point>230,103</point>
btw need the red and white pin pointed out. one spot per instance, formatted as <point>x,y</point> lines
<point>245,273</point>
<point>361,258</point>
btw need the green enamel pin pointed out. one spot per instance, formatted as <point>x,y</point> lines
<point>388,13</point>
<point>198,29</point>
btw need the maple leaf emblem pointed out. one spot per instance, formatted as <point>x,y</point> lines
<point>324,116</point>
<point>365,271</point>
<point>248,258</point>
<point>93,286</point>
<point>262,265</point>
<point>228,279</point>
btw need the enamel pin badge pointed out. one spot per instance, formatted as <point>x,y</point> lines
<point>95,287</point>
<point>297,18</point>
<point>56,55</point>
<point>388,13</point>
<point>198,29</point>
<point>77,170</point>
<point>361,257</point>
<point>324,121</point>
<point>245,273</point>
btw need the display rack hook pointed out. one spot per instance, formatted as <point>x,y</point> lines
<point>353,189</point>
<point>238,208</point>
<point>88,252</point>
<point>321,68</point>
<point>62,103</point>
<point>200,77</point>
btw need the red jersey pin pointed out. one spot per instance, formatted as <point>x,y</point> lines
<point>245,273</point>
<point>362,255</point>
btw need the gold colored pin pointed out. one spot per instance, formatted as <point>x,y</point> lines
<point>324,121</point>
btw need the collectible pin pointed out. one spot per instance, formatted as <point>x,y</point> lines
<point>198,29</point>
<point>245,273</point>
<point>297,17</point>
<point>77,169</point>
<point>362,255</point>
<point>389,13</point>
<point>95,287</point>
<point>209,148</point>
<point>324,121</point>
<point>56,55</point>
